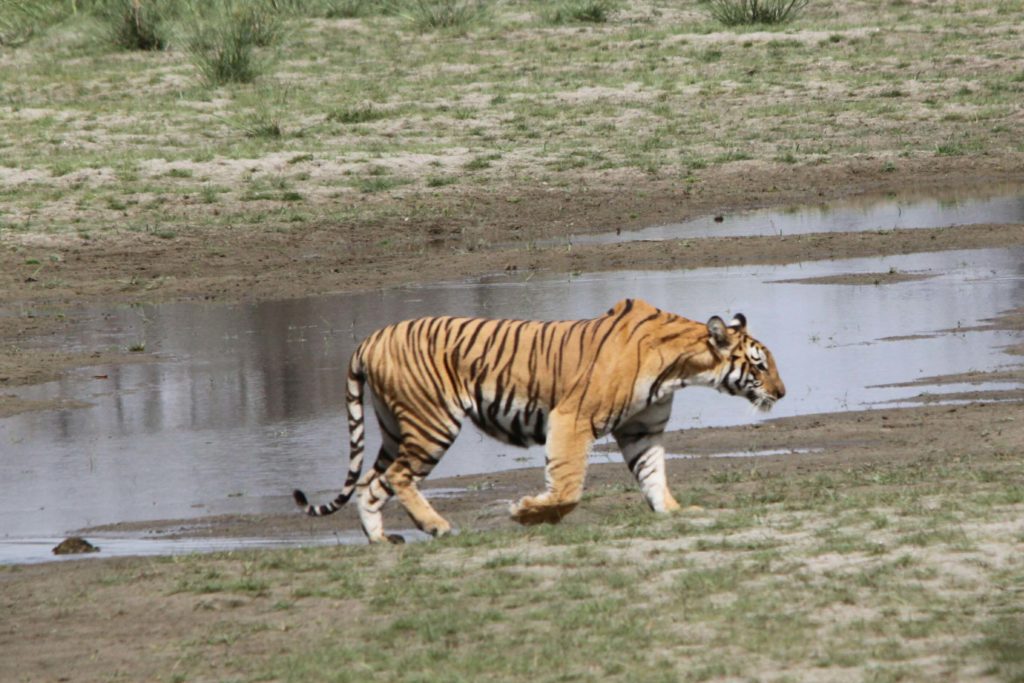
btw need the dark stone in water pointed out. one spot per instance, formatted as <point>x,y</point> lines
<point>74,546</point>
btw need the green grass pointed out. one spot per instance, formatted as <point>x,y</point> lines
<point>348,9</point>
<point>357,114</point>
<point>441,180</point>
<point>780,577</point>
<point>735,592</point>
<point>378,183</point>
<point>22,20</point>
<point>1002,643</point>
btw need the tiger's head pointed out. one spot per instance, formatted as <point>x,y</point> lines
<point>745,366</point>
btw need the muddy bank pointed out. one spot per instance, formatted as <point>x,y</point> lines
<point>886,278</point>
<point>425,238</point>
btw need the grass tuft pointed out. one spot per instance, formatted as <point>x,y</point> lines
<point>579,11</point>
<point>261,126</point>
<point>137,24</point>
<point>22,20</point>
<point>358,114</point>
<point>745,12</point>
<point>431,15</point>
<point>222,39</point>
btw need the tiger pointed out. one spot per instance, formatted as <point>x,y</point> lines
<point>562,384</point>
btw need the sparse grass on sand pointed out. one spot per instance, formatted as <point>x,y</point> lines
<point>89,131</point>
<point>882,572</point>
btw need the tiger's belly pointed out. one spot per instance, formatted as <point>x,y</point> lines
<point>512,423</point>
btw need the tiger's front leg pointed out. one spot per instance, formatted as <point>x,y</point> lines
<point>568,444</point>
<point>639,440</point>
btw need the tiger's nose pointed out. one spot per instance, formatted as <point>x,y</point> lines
<point>781,390</point>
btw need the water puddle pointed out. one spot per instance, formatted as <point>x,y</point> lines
<point>761,453</point>
<point>1000,205</point>
<point>245,402</point>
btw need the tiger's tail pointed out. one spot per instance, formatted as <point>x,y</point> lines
<point>356,433</point>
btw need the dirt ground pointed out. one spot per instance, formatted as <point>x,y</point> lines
<point>470,232</point>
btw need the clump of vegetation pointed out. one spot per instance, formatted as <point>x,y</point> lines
<point>223,36</point>
<point>572,11</point>
<point>356,114</point>
<point>429,15</point>
<point>137,24</point>
<point>262,124</point>
<point>741,12</point>
<point>349,9</point>
<point>21,19</point>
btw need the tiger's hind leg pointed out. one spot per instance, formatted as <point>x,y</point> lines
<point>640,442</point>
<point>411,448</point>
<point>416,458</point>
<point>372,492</point>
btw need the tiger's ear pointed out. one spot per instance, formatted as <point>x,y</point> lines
<point>739,322</point>
<point>719,332</point>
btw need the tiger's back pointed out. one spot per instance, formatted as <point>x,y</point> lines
<point>505,375</point>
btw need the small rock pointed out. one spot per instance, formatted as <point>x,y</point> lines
<point>75,545</point>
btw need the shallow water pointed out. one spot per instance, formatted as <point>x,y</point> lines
<point>754,453</point>
<point>1000,205</point>
<point>246,401</point>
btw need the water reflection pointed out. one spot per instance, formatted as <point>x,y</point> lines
<point>247,401</point>
<point>1000,205</point>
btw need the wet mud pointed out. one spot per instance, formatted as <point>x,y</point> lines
<point>808,444</point>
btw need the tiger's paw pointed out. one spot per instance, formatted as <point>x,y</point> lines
<point>528,513</point>
<point>437,530</point>
<point>680,510</point>
<point>393,539</point>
